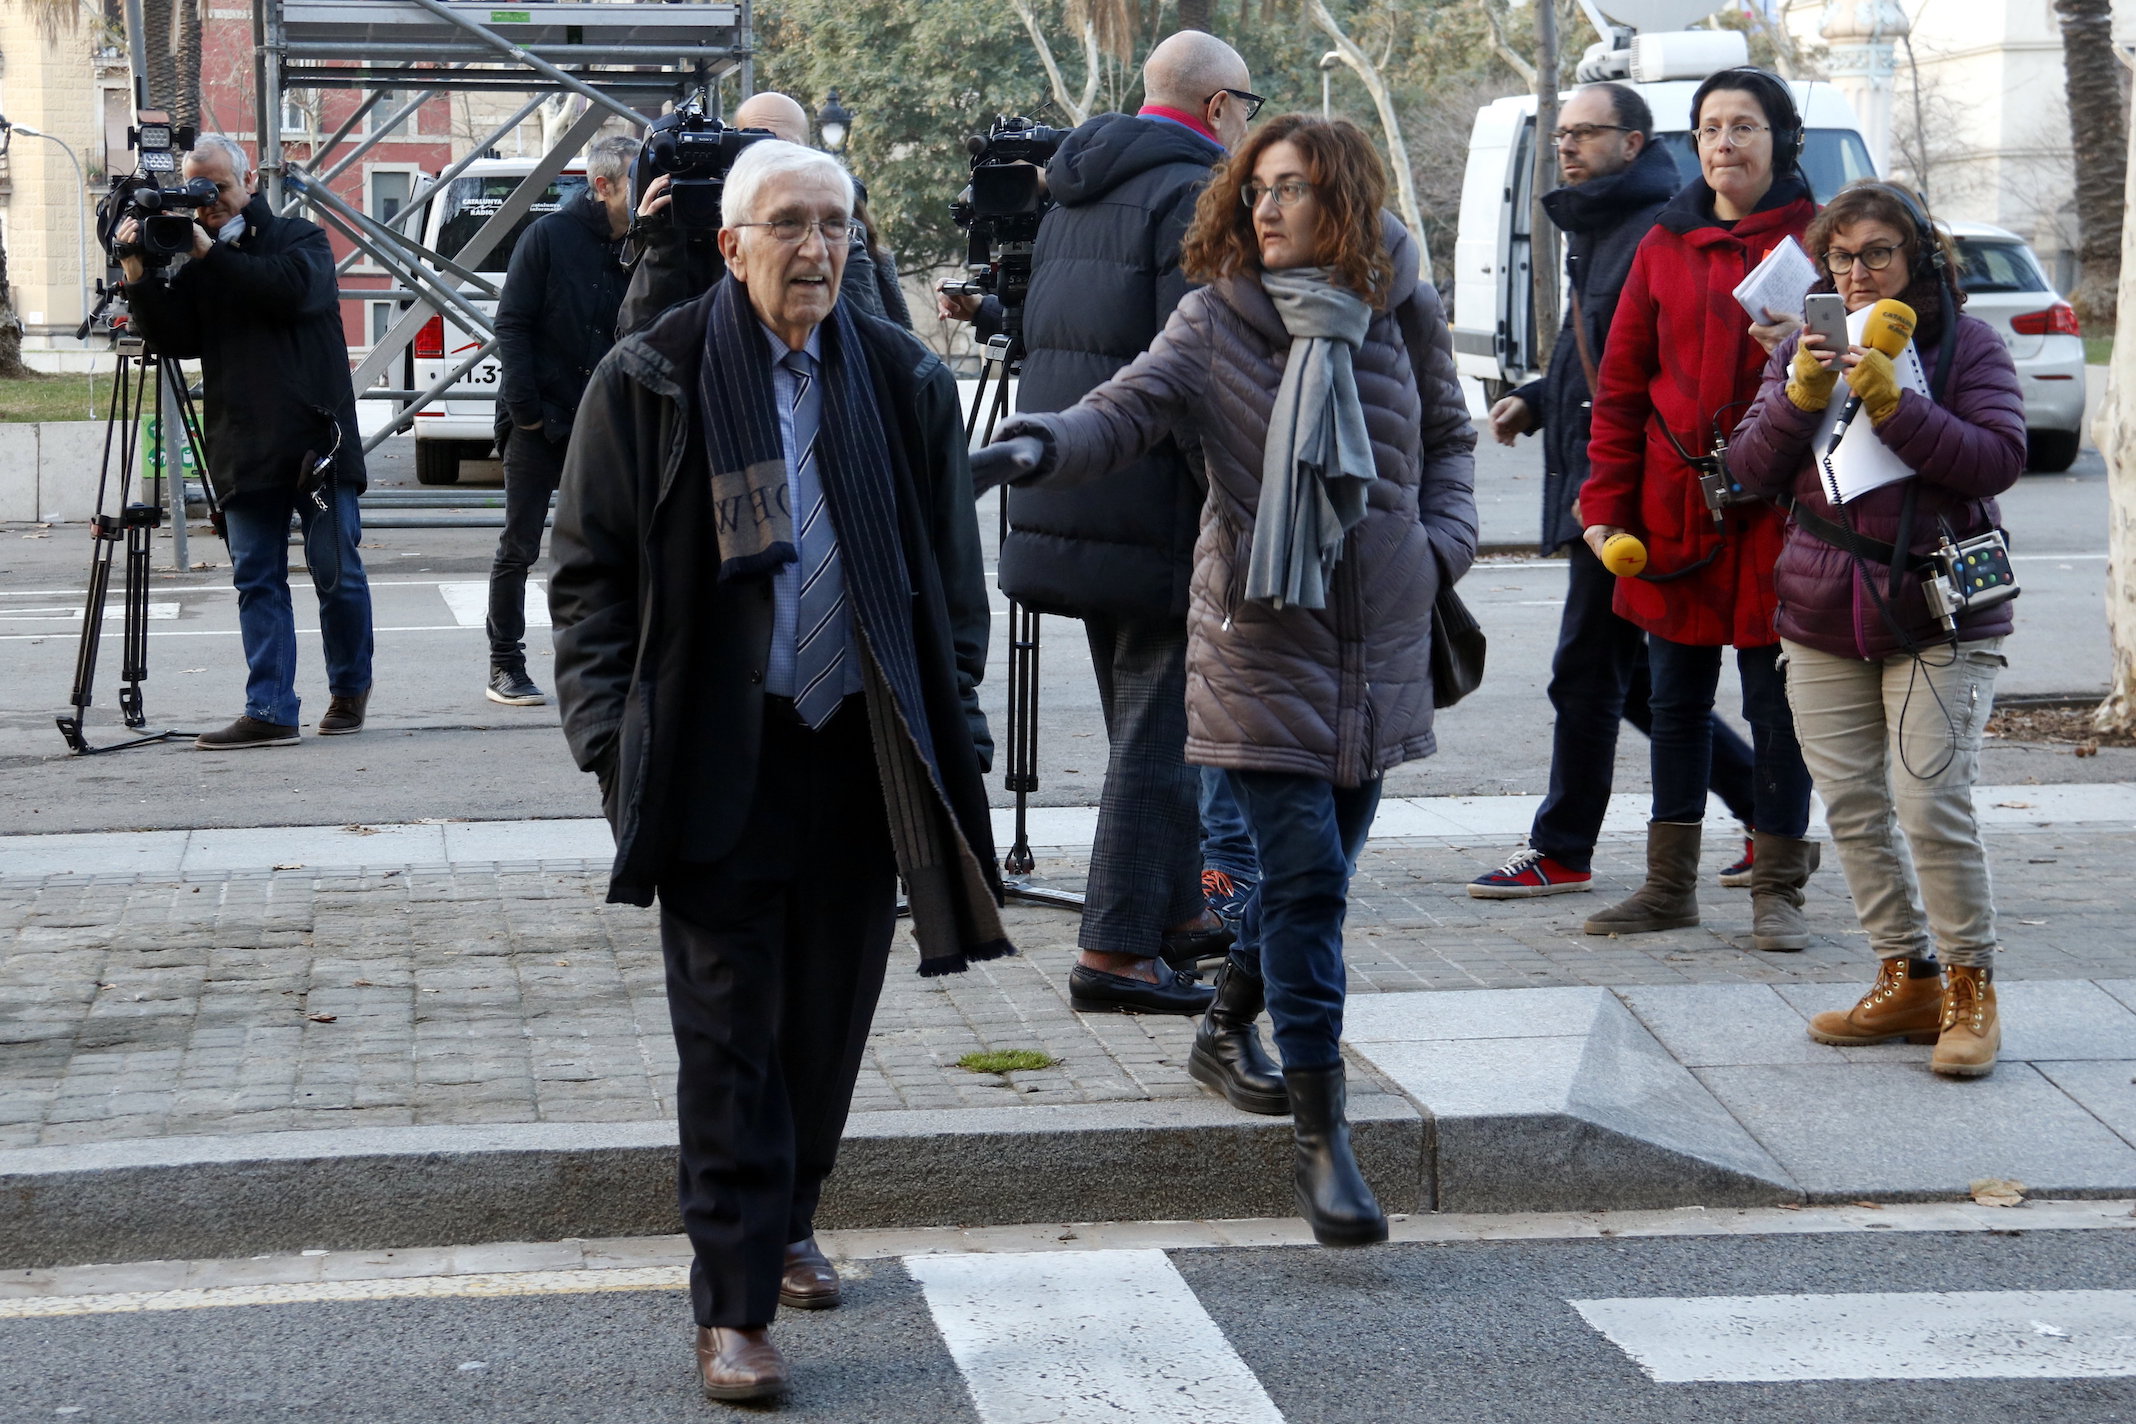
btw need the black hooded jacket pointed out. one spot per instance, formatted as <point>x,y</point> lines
<point>1105,277</point>
<point>1603,220</point>
<point>260,314</point>
<point>556,317</point>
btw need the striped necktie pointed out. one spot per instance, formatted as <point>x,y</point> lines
<point>821,635</point>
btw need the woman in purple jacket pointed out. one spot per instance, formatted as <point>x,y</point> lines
<point>1888,702</point>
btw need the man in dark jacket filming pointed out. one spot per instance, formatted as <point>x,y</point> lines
<point>1617,180</point>
<point>255,304</point>
<point>556,319</point>
<point>1118,552</point>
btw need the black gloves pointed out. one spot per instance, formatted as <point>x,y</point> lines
<point>1006,461</point>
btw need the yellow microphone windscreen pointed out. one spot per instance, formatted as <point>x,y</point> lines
<point>1891,326</point>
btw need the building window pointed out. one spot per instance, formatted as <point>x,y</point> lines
<point>390,191</point>
<point>382,314</point>
<point>299,111</point>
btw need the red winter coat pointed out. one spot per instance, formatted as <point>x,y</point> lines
<point>1680,355</point>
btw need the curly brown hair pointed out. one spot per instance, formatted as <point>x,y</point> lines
<point>1349,181</point>
<point>1880,200</point>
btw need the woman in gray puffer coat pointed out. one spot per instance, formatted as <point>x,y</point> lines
<point>1888,704</point>
<point>1316,372</point>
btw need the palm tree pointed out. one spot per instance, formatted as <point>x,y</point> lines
<point>2098,130</point>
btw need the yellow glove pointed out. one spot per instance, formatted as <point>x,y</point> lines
<point>1876,381</point>
<point>1809,384</point>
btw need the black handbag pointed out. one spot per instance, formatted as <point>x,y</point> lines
<point>1457,647</point>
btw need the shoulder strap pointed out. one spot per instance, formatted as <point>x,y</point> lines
<point>1579,337</point>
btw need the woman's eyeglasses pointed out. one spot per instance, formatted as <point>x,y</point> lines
<point>1738,135</point>
<point>1838,260</point>
<point>1288,193</point>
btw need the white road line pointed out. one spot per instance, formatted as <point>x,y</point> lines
<point>469,603</point>
<point>1930,1335</point>
<point>1114,1336</point>
<point>312,1292</point>
<point>114,609</point>
<point>233,632</point>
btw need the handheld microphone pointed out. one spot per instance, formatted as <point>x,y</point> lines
<point>1624,555</point>
<point>1890,330</point>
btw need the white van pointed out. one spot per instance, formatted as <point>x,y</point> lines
<point>449,431</point>
<point>1494,328</point>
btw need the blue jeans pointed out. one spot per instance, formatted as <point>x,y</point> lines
<point>1308,833</point>
<point>1599,678</point>
<point>258,521</point>
<point>1684,680</point>
<point>1226,844</point>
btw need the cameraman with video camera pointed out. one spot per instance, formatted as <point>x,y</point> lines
<point>1117,552</point>
<point>255,304</point>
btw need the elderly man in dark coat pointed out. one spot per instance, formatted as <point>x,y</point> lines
<point>770,623</point>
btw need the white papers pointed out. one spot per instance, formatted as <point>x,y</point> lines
<point>1862,462</point>
<point>1779,283</point>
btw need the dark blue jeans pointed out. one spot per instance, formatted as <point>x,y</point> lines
<point>1226,843</point>
<point>1684,680</point>
<point>258,522</point>
<point>1308,834</point>
<point>1598,679</point>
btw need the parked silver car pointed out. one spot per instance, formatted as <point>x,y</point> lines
<point>2006,288</point>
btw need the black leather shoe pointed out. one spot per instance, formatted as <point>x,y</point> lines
<point>1331,1191</point>
<point>1093,991</point>
<point>1204,937</point>
<point>1227,1048</point>
<point>512,687</point>
<point>246,732</point>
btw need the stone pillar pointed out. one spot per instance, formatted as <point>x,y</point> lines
<point>1861,38</point>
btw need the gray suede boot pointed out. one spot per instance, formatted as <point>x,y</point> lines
<point>1778,872</point>
<point>1669,899</point>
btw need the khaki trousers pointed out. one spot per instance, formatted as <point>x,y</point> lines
<point>1908,843</point>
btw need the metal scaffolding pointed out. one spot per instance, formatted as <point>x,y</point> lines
<point>622,58</point>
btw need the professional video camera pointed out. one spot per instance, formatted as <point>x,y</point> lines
<point>1002,207</point>
<point>695,150</point>
<point>165,214</point>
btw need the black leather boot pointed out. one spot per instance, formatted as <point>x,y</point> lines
<point>1331,1190</point>
<point>1227,1048</point>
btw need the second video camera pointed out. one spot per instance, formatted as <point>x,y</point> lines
<point>694,150</point>
<point>1003,206</point>
<point>165,214</point>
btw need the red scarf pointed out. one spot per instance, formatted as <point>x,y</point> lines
<point>1179,116</point>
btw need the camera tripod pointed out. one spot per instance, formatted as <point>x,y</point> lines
<point>1003,358</point>
<point>140,378</point>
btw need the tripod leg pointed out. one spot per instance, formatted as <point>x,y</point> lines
<point>134,645</point>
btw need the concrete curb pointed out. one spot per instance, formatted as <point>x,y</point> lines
<point>191,1197</point>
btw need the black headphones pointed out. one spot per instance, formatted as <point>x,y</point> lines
<point>1788,140</point>
<point>1929,257</point>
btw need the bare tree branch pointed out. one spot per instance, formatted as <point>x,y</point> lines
<point>1390,125</point>
<point>1504,51</point>
<point>1076,112</point>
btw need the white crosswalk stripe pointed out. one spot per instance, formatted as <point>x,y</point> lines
<point>469,603</point>
<point>1114,1336</point>
<point>1887,1336</point>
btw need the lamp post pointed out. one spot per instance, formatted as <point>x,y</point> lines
<point>81,188</point>
<point>835,122</point>
<point>1327,65</point>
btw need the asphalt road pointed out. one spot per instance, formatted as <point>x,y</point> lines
<point>437,748</point>
<point>1475,1332</point>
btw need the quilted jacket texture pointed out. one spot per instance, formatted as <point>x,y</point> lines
<point>1967,450</point>
<point>1341,693</point>
<point>1681,356</point>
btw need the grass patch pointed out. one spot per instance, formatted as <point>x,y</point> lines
<point>1007,1060</point>
<point>75,396</point>
<point>2098,350</point>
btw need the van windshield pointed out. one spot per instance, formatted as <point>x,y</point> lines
<point>471,202</point>
<point>1831,159</point>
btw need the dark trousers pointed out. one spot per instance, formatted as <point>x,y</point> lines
<point>773,970</point>
<point>1308,834</point>
<point>1145,860</point>
<point>1598,679</point>
<point>1684,680</point>
<point>532,467</point>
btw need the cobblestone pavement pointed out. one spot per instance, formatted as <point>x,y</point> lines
<point>137,1008</point>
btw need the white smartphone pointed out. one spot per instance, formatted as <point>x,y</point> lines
<point>1826,314</point>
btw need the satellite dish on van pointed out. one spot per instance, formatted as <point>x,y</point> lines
<point>1648,16</point>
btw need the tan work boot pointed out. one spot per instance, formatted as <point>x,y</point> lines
<point>1905,1002</point>
<point>1669,898</point>
<point>1971,1035</point>
<point>1779,868</point>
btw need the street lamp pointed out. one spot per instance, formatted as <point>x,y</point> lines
<point>834,121</point>
<point>81,189</point>
<point>1327,65</point>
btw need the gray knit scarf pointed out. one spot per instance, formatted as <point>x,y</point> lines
<point>1318,459</point>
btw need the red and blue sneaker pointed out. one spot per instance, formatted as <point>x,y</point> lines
<point>1527,875</point>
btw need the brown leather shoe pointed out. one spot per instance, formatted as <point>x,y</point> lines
<point>810,1281</point>
<point>344,715</point>
<point>739,1363</point>
<point>1906,1001</point>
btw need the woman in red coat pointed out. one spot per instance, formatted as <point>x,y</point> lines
<point>1681,368</point>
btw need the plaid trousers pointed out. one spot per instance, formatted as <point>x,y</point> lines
<point>1145,864</point>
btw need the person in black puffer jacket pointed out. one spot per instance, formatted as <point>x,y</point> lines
<point>1118,552</point>
<point>556,319</point>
